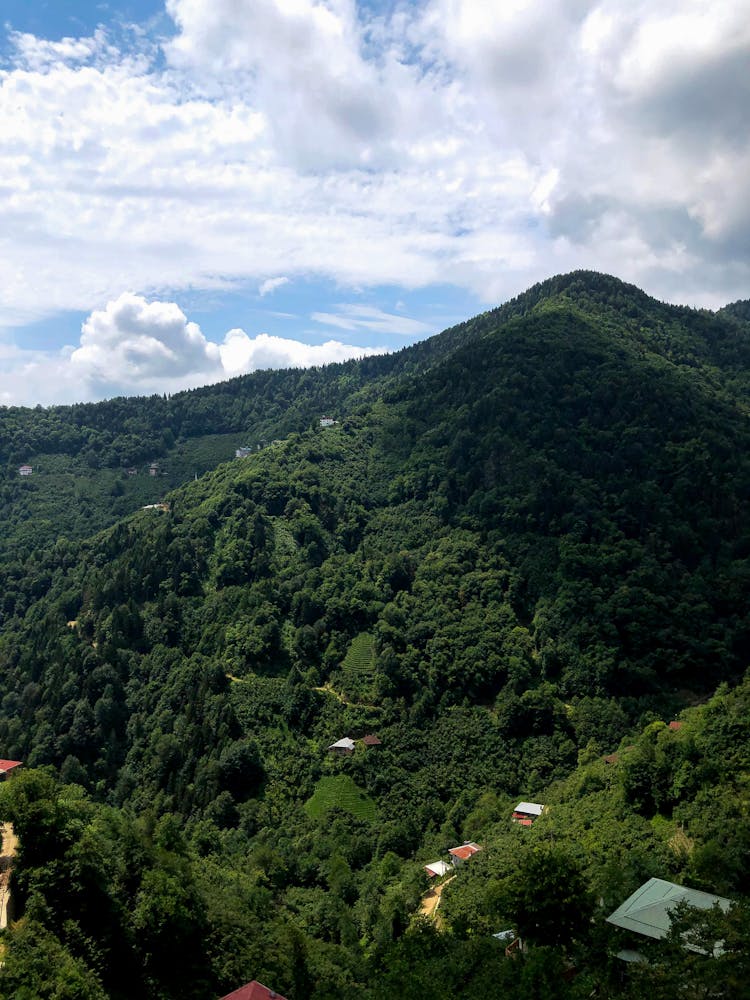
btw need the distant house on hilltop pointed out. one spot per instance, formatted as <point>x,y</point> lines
<point>371,741</point>
<point>253,991</point>
<point>343,746</point>
<point>327,421</point>
<point>243,452</point>
<point>25,470</point>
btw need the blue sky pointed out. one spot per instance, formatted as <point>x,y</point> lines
<point>191,189</point>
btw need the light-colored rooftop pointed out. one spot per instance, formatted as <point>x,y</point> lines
<point>530,808</point>
<point>648,910</point>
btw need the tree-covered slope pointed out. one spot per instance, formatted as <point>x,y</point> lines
<point>519,542</point>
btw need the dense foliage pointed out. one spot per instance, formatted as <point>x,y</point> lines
<point>524,542</point>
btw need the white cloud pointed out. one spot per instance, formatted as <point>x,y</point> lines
<point>271,284</point>
<point>358,317</point>
<point>133,341</point>
<point>448,141</point>
<point>135,346</point>
<point>240,353</point>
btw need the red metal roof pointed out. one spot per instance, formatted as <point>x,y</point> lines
<point>675,725</point>
<point>253,991</point>
<point>371,741</point>
<point>8,765</point>
<point>465,851</point>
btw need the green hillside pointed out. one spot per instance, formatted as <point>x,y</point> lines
<point>523,547</point>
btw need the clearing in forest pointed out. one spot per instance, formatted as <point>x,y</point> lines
<point>431,900</point>
<point>355,676</point>
<point>340,790</point>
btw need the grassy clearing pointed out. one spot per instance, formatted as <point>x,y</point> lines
<point>355,676</point>
<point>340,790</point>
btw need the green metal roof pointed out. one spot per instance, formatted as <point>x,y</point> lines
<point>648,910</point>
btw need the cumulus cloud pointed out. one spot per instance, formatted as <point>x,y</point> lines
<point>440,141</point>
<point>136,346</point>
<point>133,341</point>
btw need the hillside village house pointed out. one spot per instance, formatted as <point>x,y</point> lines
<point>464,852</point>
<point>327,421</point>
<point>526,812</point>
<point>437,869</point>
<point>25,470</point>
<point>344,746</point>
<point>153,469</point>
<point>9,767</point>
<point>647,912</point>
<point>243,452</point>
<point>371,741</point>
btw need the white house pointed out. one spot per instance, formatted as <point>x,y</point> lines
<point>437,869</point>
<point>25,470</point>
<point>526,812</point>
<point>243,452</point>
<point>343,746</point>
<point>327,421</point>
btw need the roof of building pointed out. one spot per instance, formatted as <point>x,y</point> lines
<point>347,743</point>
<point>8,765</point>
<point>648,910</point>
<point>465,850</point>
<point>437,868</point>
<point>611,758</point>
<point>675,725</point>
<point>371,741</point>
<point>253,991</point>
<point>530,808</point>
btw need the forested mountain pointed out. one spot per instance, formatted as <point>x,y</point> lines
<point>525,541</point>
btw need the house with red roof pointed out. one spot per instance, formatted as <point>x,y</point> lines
<point>253,991</point>
<point>8,767</point>
<point>464,852</point>
<point>371,741</point>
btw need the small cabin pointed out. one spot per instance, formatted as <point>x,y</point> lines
<point>243,452</point>
<point>343,747</point>
<point>327,422</point>
<point>436,869</point>
<point>153,469</point>
<point>371,741</point>
<point>9,767</point>
<point>526,813</point>
<point>460,854</point>
<point>25,470</point>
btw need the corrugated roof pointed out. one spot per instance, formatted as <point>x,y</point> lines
<point>465,851</point>
<point>8,765</point>
<point>648,910</point>
<point>530,808</point>
<point>347,743</point>
<point>438,868</point>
